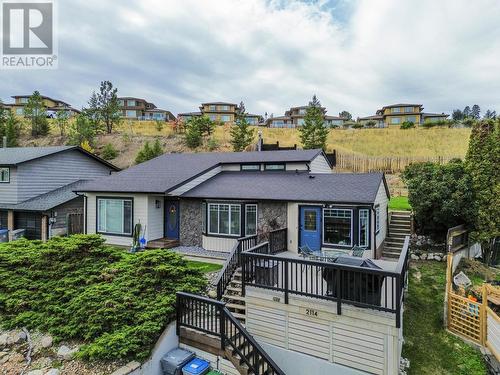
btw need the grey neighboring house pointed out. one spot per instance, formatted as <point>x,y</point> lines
<point>212,199</point>
<point>37,188</point>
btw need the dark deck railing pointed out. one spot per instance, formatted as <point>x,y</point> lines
<point>278,240</point>
<point>212,317</point>
<point>232,263</point>
<point>357,286</point>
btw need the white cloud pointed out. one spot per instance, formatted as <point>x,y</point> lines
<point>354,55</point>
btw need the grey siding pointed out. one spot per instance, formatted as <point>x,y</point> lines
<point>60,216</point>
<point>8,191</point>
<point>45,174</point>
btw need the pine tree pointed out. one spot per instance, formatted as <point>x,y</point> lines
<point>489,114</point>
<point>346,115</point>
<point>149,152</point>
<point>82,130</point>
<point>107,101</point>
<point>35,111</point>
<point>242,134</point>
<point>62,118</point>
<point>313,133</point>
<point>12,130</point>
<point>466,112</point>
<point>482,161</point>
<point>475,112</point>
<point>192,135</point>
<point>457,115</point>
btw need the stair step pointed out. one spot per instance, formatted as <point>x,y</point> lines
<point>236,282</point>
<point>390,254</point>
<point>239,316</point>
<point>235,306</point>
<point>233,289</point>
<point>233,297</point>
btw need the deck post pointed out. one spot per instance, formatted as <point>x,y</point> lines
<point>285,264</point>
<point>177,315</point>
<point>398,301</point>
<point>243,273</point>
<point>222,324</point>
<point>339,293</point>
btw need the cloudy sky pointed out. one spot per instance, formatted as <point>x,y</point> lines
<point>355,55</point>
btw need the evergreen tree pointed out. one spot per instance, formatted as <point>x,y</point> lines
<point>242,134</point>
<point>12,130</point>
<point>109,152</point>
<point>475,113</point>
<point>466,112</point>
<point>62,118</point>
<point>457,115</point>
<point>107,102</point>
<point>35,111</point>
<point>193,135</point>
<point>490,114</point>
<point>346,115</point>
<point>149,152</point>
<point>482,161</point>
<point>313,133</point>
<point>82,130</point>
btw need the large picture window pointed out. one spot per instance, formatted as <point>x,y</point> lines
<point>363,227</point>
<point>250,219</point>
<point>224,219</point>
<point>337,227</point>
<point>114,216</point>
<point>5,175</point>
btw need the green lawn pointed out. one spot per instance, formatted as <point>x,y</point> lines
<point>399,204</point>
<point>430,349</point>
<point>204,266</point>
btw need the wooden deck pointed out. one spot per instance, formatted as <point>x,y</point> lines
<point>162,243</point>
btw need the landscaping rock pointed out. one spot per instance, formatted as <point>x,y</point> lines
<point>53,371</point>
<point>4,339</point>
<point>414,257</point>
<point>35,372</point>
<point>127,369</point>
<point>65,352</point>
<point>46,342</point>
<point>18,337</point>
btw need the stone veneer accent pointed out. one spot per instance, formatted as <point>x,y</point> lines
<point>190,231</point>
<point>270,216</point>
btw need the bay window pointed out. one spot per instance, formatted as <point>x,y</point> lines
<point>224,219</point>
<point>363,227</point>
<point>337,226</point>
<point>114,216</point>
<point>250,219</point>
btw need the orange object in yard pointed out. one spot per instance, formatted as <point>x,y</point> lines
<point>472,298</point>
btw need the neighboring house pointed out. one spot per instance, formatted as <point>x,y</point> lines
<point>221,112</point>
<point>37,184</point>
<point>140,109</point>
<point>294,117</point>
<point>396,114</point>
<point>52,106</point>
<point>179,197</point>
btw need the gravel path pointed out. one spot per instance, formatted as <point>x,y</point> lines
<point>199,251</point>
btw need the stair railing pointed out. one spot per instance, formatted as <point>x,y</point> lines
<point>232,263</point>
<point>212,317</point>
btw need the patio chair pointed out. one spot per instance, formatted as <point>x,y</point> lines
<point>306,251</point>
<point>358,251</point>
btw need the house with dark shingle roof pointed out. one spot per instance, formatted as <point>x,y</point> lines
<point>396,114</point>
<point>209,200</point>
<point>37,188</point>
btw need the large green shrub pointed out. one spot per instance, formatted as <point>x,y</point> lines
<point>78,288</point>
<point>440,196</point>
<point>407,125</point>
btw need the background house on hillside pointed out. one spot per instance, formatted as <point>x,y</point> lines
<point>140,109</point>
<point>294,117</point>
<point>396,114</point>
<point>52,106</point>
<point>221,112</point>
<point>36,188</point>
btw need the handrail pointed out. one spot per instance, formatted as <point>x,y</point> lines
<point>232,263</point>
<point>212,317</point>
<point>344,284</point>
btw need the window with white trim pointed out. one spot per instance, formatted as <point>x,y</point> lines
<point>250,167</point>
<point>364,216</point>
<point>224,219</point>
<point>377,219</point>
<point>274,167</point>
<point>114,216</point>
<point>395,120</point>
<point>204,217</point>
<point>5,175</point>
<point>250,219</point>
<point>337,226</point>
<point>131,103</point>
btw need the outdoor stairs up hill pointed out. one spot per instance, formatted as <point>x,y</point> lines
<point>233,298</point>
<point>399,228</point>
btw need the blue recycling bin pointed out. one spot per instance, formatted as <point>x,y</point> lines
<point>196,367</point>
<point>4,235</point>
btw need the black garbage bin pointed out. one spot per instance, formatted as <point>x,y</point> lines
<point>266,272</point>
<point>355,286</point>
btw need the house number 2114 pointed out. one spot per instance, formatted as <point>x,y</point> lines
<point>311,312</point>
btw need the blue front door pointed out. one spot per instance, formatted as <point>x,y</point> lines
<point>310,227</point>
<point>172,219</point>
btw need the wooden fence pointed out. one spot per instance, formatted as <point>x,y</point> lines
<point>390,164</point>
<point>470,319</point>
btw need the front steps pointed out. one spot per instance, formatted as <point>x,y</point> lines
<point>162,243</point>
<point>233,298</point>
<point>399,228</point>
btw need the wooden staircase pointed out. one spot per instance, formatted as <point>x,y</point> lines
<point>399,228</point>
<point>233,298</point>
<point>162,243</point>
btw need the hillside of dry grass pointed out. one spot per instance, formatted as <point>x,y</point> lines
<point>131,135</point>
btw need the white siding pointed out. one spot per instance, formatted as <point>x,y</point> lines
<point>493,334</point>
<point>140,215</point>
<point>155,218</point>
<point>302,166</point>
<point>363,339</point>
<point>8,191</point>
<point>218,243</point>
<point>382,201</point>
<point>320,165</point>
<point>195,182</point>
